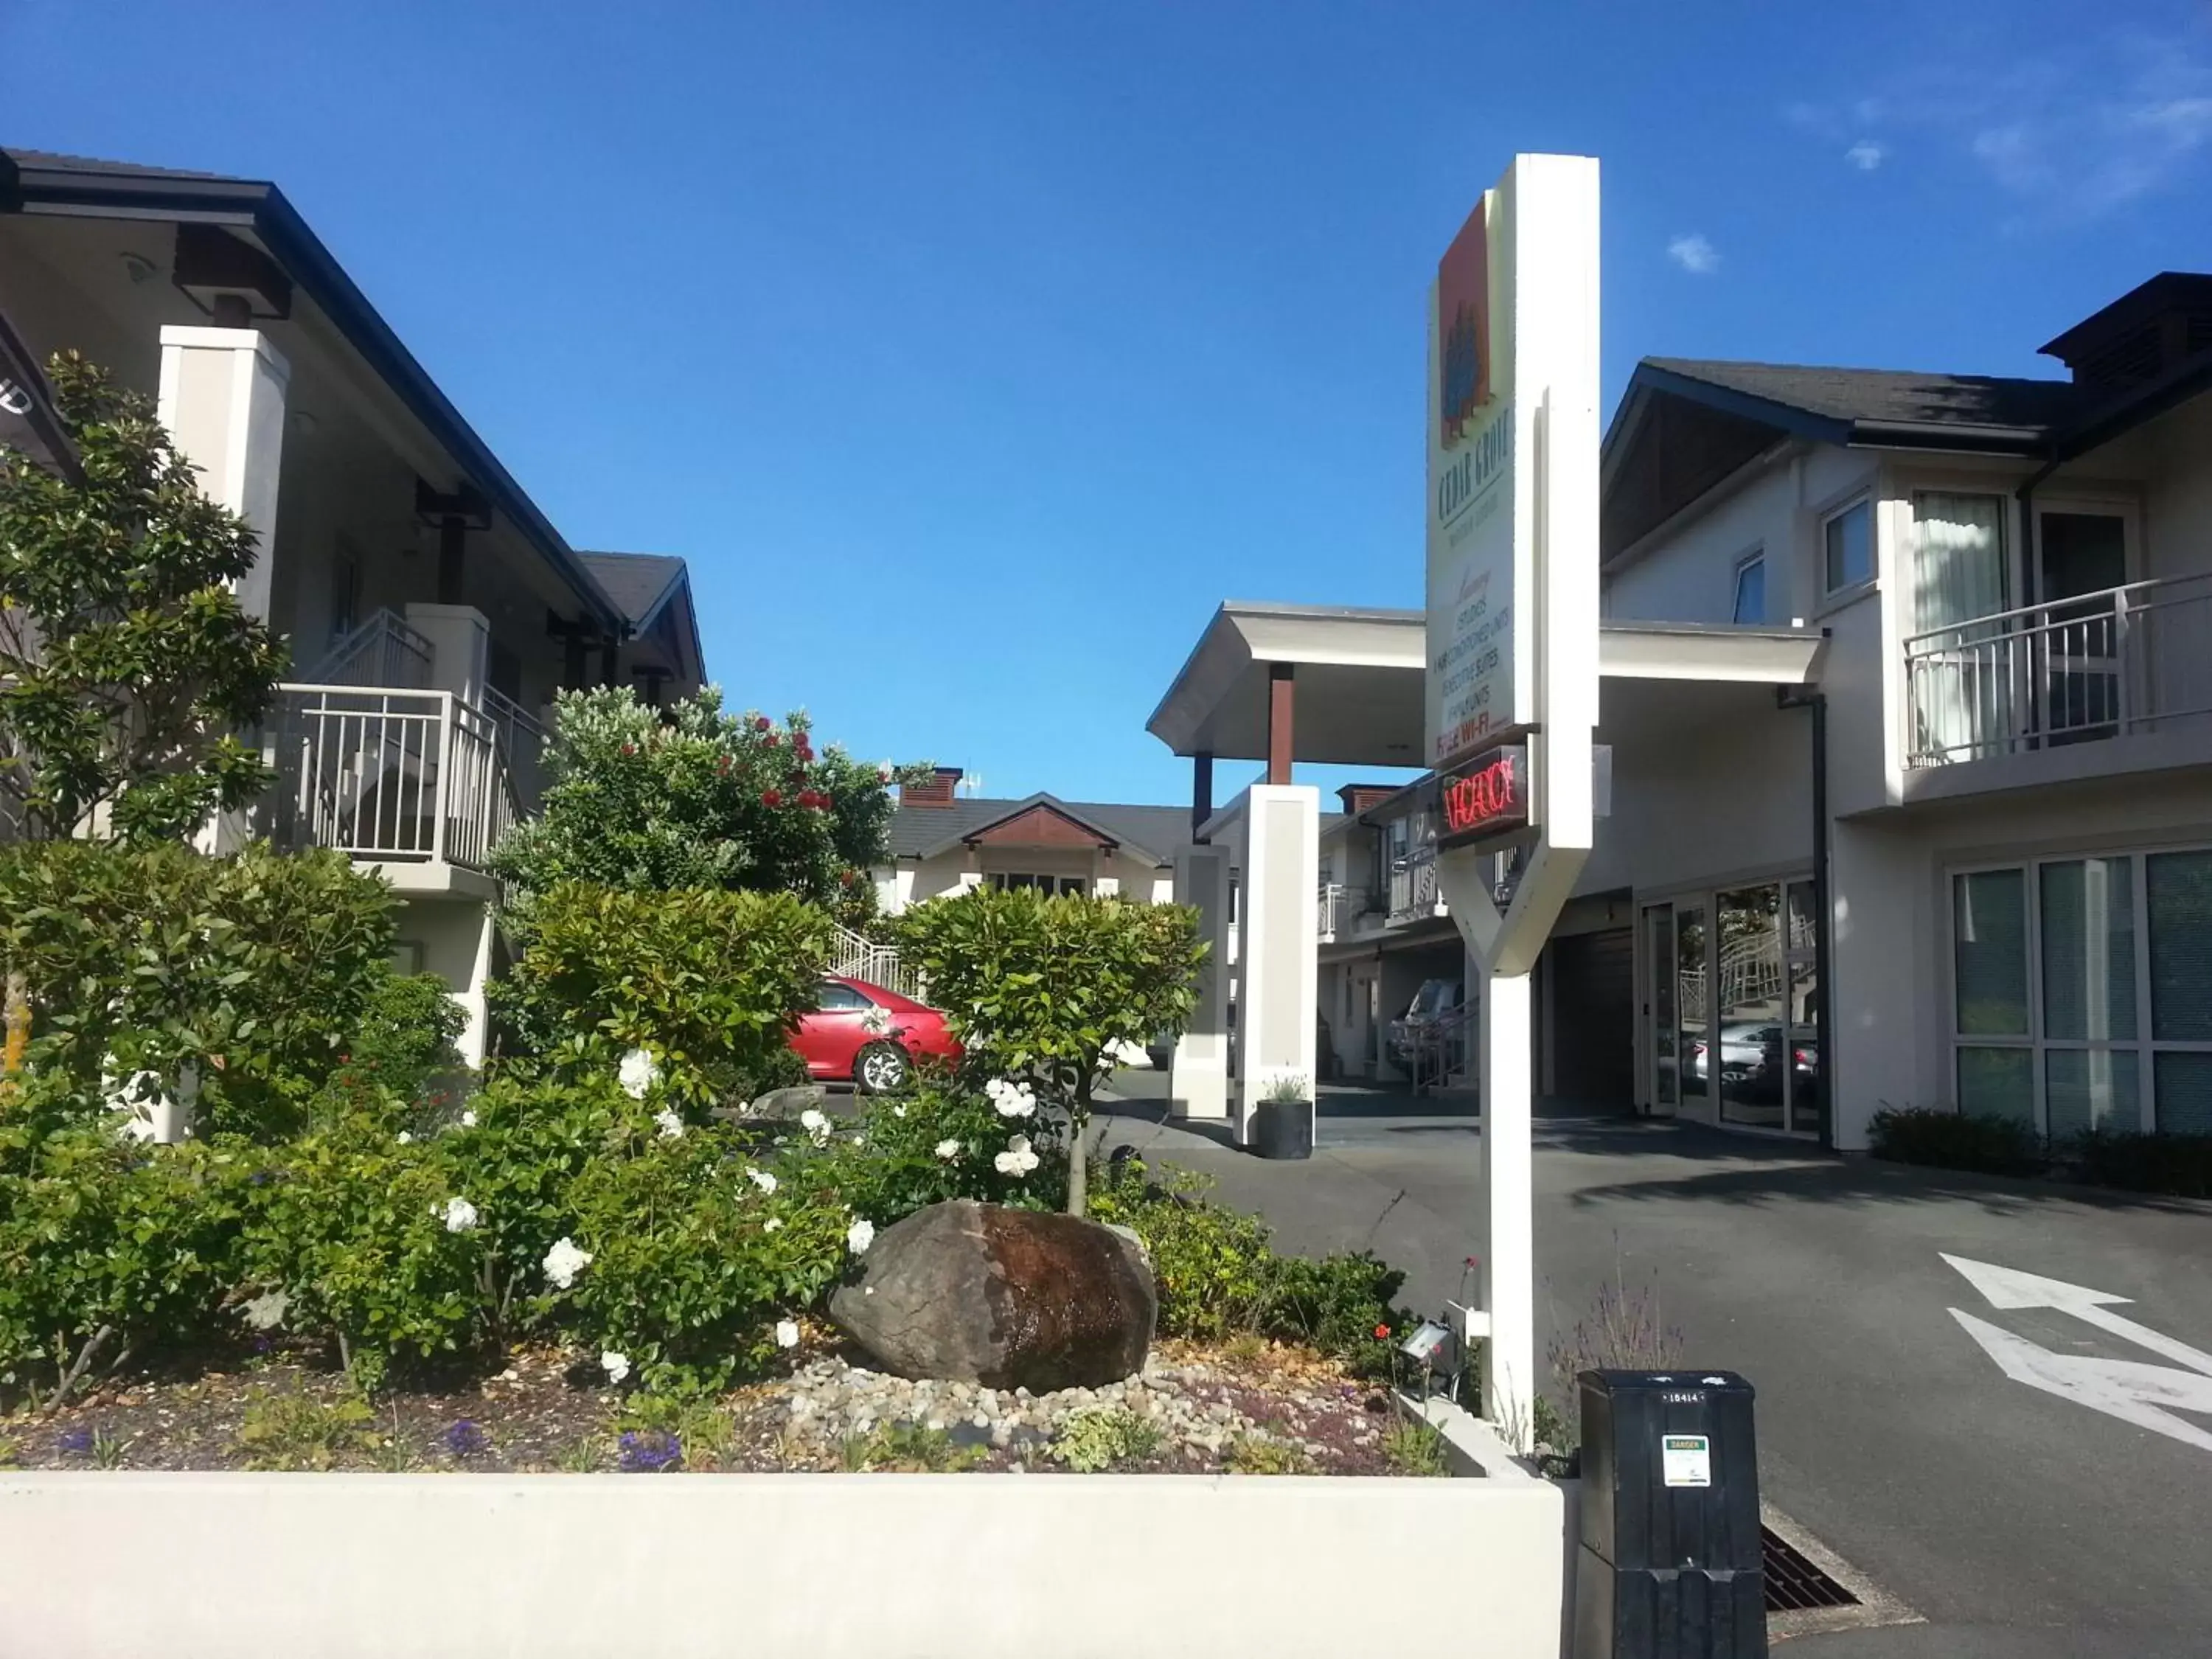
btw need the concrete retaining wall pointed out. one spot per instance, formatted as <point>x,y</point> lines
<point>879,1566</point>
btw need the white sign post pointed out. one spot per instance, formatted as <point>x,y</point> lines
<point>1512,648</point>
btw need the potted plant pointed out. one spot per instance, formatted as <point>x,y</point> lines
<point>1283,1121</point>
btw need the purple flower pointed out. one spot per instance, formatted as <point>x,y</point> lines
<point>74,1442</point>
<point>264,1343</point>
<point>465,1439</point>
<point>648,1451</point>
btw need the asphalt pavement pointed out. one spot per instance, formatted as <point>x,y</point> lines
<point>2013,1520</point>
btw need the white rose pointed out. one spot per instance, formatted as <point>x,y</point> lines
<point>670,1126</point>
<point>1018,1160</point>
<point>948,1150</point>
<point>762,1179</point>
<point>460,1215</point>
<point>637,1074</point>
<point>786,1334</point>
<point>860,1236</point>
<point>468,1120</point>
<point>404,1138</point>
<point>772,1223</point>
<point>615,1365</point>
<point>563,1262</point>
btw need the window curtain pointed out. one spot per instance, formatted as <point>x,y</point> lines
<point>1963,690</point>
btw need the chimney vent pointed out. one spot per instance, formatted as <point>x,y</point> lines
<point>2141,335</point>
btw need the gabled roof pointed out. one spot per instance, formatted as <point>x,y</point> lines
<point>1874,406</point>
<point>639,584</point>
<point>1154,833</point>
<point>37,181</point>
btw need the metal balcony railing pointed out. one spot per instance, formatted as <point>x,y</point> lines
<point>1414,893</point>
<point>382,650</point>
<point>2077,670</point>
<point>1338,909</point>
<point>392,776</point>
<point>854,956</point>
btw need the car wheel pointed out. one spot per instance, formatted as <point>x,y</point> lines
<point>882,1069</point>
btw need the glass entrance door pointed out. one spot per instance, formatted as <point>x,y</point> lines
<point>1666,1078</point>
<point>1692,1010</point>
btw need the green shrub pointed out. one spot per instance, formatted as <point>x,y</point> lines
<point>686,1275</point>
<point>353,1226</point>
<point>1218,1273</point>
<point>1104,1435</point>
<point>290,1429</point>
<point>1954,1140</point>
<point>941,1141</point>
<point>1415,1448</point>
<point>693,796</point>
<point>255,971</point>
<point>2178,1165</point>
<point>1263,1454</point>
<point>404,1045</point>
<point>711,983</point>
<point>1047,990</point>
<point>109,1251</point>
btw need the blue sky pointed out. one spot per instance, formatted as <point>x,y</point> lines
<point>973,353</point>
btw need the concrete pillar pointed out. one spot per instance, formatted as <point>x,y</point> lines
<point>1890,1024</point>
<point>460,648</point>
<point>1198,1080</point>
<point>1509,1255</point>
<point>1280,970</point>
<point>223,400</point>
<point>472,1000</point>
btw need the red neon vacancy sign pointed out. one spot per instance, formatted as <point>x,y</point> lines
<point>1486,798</point>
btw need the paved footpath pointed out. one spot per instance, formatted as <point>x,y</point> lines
<point>2018,1522</point>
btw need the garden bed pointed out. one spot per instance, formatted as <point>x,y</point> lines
<point>1245,1406</point>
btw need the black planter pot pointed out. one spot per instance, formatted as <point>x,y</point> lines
<point>1283,1129</point>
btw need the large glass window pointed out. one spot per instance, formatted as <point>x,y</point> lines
<point>1752,1063</point>
<point>2050,965</point>
<point>1692,1001</point>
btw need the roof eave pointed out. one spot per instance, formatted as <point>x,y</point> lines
<point>264,207</point>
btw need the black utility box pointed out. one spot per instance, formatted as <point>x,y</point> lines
<point>1668,1563</point>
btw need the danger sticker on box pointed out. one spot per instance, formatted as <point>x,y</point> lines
<point>1686,1459</point>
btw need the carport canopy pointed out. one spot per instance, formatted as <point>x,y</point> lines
<point>1342,686</point>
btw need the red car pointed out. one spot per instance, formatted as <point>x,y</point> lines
<point>871,1035</point>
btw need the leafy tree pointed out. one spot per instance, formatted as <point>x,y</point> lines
<point>1047,990</point>
<point>127,669</point>
<point>649,800</point>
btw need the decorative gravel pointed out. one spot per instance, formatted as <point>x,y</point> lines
<point>1215,1409</point>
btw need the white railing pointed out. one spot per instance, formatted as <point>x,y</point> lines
<point>383,650</point>
<point>1413,894</point>
<point>2073,670</point>
<point>1338,909</point>
<point>521,748</point>
<point>390,776</point>
<point>853,957</point>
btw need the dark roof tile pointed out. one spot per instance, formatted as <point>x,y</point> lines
<point>635,581</point>
<point>1888,395</point>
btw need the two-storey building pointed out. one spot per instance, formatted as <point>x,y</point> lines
<point>431,608</point>
<point>1907,718</point>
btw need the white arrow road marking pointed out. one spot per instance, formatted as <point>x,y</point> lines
<point>2126,1388</point>
<point>2008,1287</point>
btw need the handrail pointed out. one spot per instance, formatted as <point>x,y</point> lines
<point>2081,605</point>
<point>400,650</point>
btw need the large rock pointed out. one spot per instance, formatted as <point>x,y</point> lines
<point>1009,1298</point>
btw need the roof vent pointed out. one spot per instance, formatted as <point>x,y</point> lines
<point>937,790</point>
<point>2141,335</point>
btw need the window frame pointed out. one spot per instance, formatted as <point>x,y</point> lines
<point>1863,498</point>
<point>2144,1045</point>
<point>1755,559</point>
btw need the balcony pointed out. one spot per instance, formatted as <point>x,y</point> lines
<point>399,777</point>
<point>2126,661</point>
<point>1340,909</point>
<point>1414,893</point>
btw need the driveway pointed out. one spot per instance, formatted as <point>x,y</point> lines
<point>2018,1522</point>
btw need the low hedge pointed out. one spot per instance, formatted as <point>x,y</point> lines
<point>2180,1165</point>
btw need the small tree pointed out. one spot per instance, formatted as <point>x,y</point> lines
<point>127,669</point>
<point>1049,990</point>
<point>647,800</point>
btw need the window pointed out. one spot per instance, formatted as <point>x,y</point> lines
<point>1751,589</point>
<point>1961,570</point>
<point>1049,885</point>
<point>2082,992</point>
<point>838,999</point>
<point>1849,541</point>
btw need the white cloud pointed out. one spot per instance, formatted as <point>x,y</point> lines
<point>1694,254</point>
<point>1866,155</point>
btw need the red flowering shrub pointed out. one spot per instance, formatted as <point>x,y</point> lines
<point>640,799</point>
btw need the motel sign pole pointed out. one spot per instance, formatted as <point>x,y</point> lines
<point>1513,661</point>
